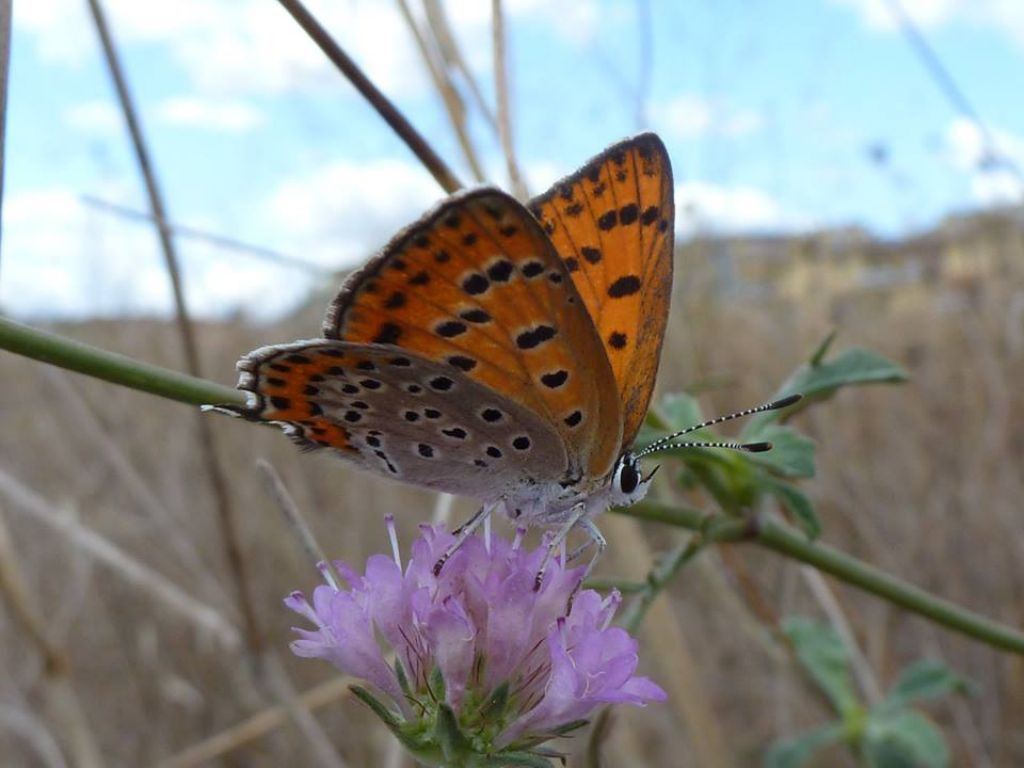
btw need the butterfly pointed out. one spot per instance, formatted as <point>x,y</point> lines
<point>494,350</point>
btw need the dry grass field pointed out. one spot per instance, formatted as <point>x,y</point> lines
<point>105,504</point>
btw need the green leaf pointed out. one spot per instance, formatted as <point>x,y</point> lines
<point>797,504</point>
<point>906,739</point>
<point>680,410</point>
<point>792,454</point>
<point>823,656</point>
<point>823,348</point>
<point>855,365</point>
<point>795,752</point>
<point>924,680</point>
<point>819,380</point>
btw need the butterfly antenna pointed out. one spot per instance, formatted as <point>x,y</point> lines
<point>667,441</point>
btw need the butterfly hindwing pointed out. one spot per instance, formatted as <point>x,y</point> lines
<point>476,287</point>
<point>612,224</point>
<point>399,415</point>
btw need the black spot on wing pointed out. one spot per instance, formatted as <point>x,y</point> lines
<point>626,285</point>
<point>535,336</point>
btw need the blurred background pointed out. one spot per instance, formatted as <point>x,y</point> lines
<point>849,165</point>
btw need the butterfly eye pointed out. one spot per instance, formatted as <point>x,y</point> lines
<point>629,477</point>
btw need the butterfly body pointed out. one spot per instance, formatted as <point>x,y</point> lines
<point>493,350</point>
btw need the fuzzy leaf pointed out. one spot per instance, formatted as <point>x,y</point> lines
<point>797,504</point>
<point>680,410</point>
<point>818,380</point>
<point>924,680</point>
<point>795,752</point>
<point>824,658</point>
<point>792,454</point>
<point>906,739</point>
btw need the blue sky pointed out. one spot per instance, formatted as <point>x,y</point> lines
<point>780,116</point>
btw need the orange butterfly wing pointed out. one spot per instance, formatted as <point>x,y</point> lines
<point>477,286</point>
<point>612,223</point>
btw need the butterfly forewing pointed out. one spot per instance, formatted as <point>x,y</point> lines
<point>612,223</point>
<point>477,288</point>
<point>400,415</point>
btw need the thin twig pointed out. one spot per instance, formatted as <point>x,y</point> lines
<point>200,615</point>
<point>5,66</point>
<point>837,619</point>
<point>784,540</point>
<point>430,159</point>
<point>174,532</point>
<point>452,55</point>
<point>210,460</point>
<point>670,645</point>
<point>515,178</point>
<point>207,751</point>
<point>222,241</point>
<point>313,736</point>
<point>292,515</point>
<point>453,103</point>
<point>118,369</point>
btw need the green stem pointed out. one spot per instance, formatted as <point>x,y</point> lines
<point>660,576</point>
<point>780,538</point>
<point>110,366</point>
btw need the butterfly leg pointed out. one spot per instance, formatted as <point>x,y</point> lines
<point>596,539</point>
<point>574,518</point>
<point>463,532</point>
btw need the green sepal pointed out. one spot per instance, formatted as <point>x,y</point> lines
<point>411,737</point>
<point>449,736</point>
<point>496,703</point>
<point>554,733</point>
<point>379,709</point>
<point>503,759</point>
<point>403,679</point>
<point>436,685</point>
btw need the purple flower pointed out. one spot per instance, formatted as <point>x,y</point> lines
<point>477,649</point>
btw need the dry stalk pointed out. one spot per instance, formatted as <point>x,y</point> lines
<point>210,460</point>
<point>172,530</point>
<point>453,58</point>
<point>64,705</point>
<point>453,103</point>
<point>395,119</point>
<point>257,726</point>
<point>502,96</point>
<point>668,644</point>
<point>203,617</point>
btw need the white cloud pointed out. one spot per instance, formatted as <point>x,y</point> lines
<point>338,215</point>
<point>702,207</point>
<point>65,260</point>
<point>94,118</point>
<point>254,46</point>
<point>1003,15</point>
<point>992,181</point>
<point>691,117</point>
<point>231,116</point>
<point>878,14</point>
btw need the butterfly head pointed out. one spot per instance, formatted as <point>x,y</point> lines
<point>626,483</point>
